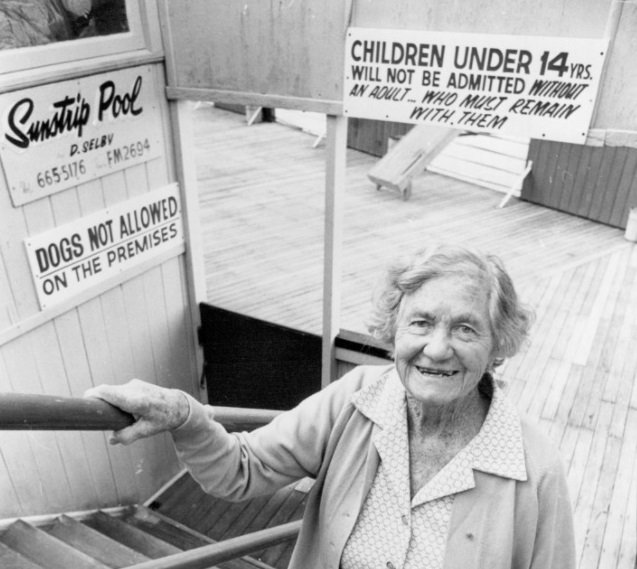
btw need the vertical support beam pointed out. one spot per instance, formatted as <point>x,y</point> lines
<point>610,31</point>
<point>186,174</point>
<point>336,149</point>
<point>185,170</point>
<point>167,40</point>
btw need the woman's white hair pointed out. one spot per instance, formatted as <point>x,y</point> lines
<point>509,320</point>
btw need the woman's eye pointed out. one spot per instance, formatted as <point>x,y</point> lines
<point>419,324</point>
<point>465,330</point>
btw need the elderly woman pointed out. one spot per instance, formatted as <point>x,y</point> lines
<point>422,463</point>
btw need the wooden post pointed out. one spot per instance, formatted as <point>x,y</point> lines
<point>336,149</point>
<point>181,119</point>
<point>610,31</point>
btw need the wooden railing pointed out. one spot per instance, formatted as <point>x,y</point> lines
<point>44,412</point>
<point>210,555</point>
<point>20,411</point>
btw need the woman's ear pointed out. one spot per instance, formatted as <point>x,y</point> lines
<point>497,356</point>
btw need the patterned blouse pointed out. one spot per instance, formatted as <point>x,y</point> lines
<point>394,531</point>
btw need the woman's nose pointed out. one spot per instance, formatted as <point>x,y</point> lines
<point>437,346</point>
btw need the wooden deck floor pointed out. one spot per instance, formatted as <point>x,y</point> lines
<point>261,199</point>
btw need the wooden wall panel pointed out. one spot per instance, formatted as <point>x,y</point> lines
<point>75,474</point>
<point>9,489</point>
<point>626,195</point>
<point>602,191</point>
<point>295,49</point>
<point>280,48</point>
<point>107,364</point>
<point>139,328</point>
<point>144,365</point>
<point>50,483</point>
<point>12,223</point>
<point>590,171</point>
<point>372,136</point>
<point>598,183</point>
<point>7,307</point>
<point>586,18</point>
<point>78,377</point>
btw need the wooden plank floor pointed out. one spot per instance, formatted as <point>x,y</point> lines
<point>261,200</point>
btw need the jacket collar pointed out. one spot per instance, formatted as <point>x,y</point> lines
<point>497,448</point>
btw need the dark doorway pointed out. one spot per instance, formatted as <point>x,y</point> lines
<point>253,363</point>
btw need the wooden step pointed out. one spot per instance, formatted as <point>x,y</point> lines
<point>11,559</point>
<point>181,536</point>
<point>176,534</point>
<point>176,495</point>
<point>131,536</point>
<point>95,544</point>
<point>46,550</point>
<point>187,503</point>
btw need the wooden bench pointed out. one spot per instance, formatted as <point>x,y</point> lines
<point>495,162</point>
<point>409,157</point>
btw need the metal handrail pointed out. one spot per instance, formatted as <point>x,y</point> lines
<point>209,555</point>
<point>20,411</point>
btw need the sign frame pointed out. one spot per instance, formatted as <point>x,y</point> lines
<point>78,130</point>
<point>522,86</point>
<point>77,256</point>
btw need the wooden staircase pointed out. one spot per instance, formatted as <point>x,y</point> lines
<point>143,537</point>
<point>102,540</point>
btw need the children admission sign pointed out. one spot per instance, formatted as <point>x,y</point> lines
<point>57,136</point>
<point>82,254</point>
<point>523,86</point>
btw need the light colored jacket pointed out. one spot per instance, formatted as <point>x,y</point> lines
<point>501,523</point>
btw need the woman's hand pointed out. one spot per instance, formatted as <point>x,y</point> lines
<point>156,409</point>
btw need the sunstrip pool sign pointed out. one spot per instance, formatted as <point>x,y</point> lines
<point>84,253</point>
<point>524,86</point>
<point>57,136</point>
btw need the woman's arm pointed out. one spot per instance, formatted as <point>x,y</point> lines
<point>238,465</point>
<point>242,465</point>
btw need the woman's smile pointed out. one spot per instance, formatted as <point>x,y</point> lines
<point>435,372</point>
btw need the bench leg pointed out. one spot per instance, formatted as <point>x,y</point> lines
<point>406,193</point>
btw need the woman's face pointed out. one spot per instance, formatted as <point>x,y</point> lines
<point>443,342</point>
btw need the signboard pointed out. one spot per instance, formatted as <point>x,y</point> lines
<point>74,257</point>
<point>57,136</point>
<point>524,86</point>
